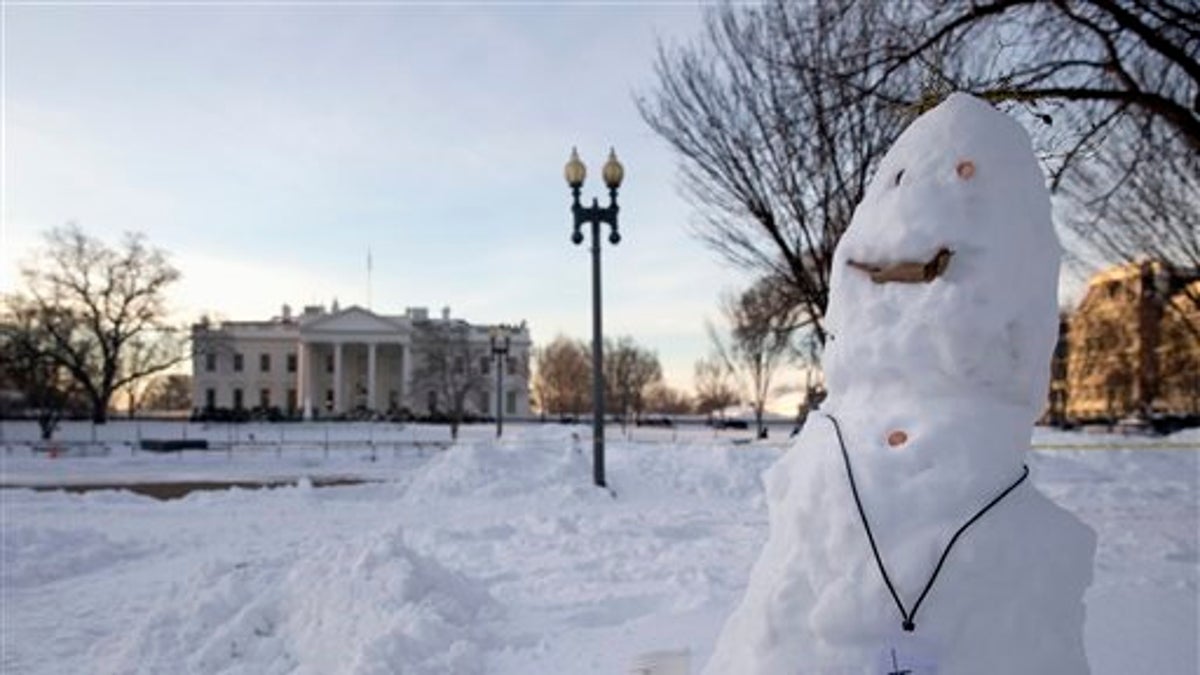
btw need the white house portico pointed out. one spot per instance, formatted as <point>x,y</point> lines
<point>351,360</point>
<point>346,362</point>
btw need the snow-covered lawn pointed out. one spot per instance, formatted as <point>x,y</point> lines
<point>489,558</point>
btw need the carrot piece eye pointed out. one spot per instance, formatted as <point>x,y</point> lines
<point>899,175</point>
<point>897,438</point>
<point>965,169</point>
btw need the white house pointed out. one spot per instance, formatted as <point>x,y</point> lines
<point>329,363</point>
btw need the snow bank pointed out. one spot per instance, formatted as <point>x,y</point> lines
<point>699,471</point>
<point>557,463</point>
<point>544,461</point>
<point>34,556</point>
<point>369,605</point>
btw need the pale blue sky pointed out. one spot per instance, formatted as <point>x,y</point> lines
<point>267,146</point>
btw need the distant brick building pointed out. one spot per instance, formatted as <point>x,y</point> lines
<point>1132,347</point>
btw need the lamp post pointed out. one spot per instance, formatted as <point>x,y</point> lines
<point>613,173</point>
<point>499,352</point>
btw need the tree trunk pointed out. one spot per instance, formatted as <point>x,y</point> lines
<point>47,424</point>
<point>99,411</point>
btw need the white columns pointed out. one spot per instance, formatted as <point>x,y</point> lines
<point>406,379</point>
<point>372,403</point>
<point>304,377</point>
<point>339,399</point>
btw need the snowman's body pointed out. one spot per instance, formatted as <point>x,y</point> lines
<point>958,365</point>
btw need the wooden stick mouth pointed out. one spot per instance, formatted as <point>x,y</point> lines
<point>907,272</point>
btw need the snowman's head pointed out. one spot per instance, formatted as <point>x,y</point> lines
<point>946,280</point>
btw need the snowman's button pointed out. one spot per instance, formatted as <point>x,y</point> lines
<point>897,438</point>
<point>965,169</point>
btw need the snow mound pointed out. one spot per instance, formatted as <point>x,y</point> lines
<point>705,472</point>
<point>36,556</point>
<point>368,606</point>
<point>553,461</point>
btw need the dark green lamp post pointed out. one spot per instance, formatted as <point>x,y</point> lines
<point>575,173</point>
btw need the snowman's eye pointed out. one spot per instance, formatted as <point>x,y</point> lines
<point>899,175</point>
<point>965,169</point>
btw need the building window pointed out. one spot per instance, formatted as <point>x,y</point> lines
<point>210,362</point>
<point>237,399</point>
<point>237,363</point>
<point>484,402</point>
<point>512,365</point>
<point>510,402</point>
<point>329,399</point>
<point>264,398</point>
<point>459,365</point>
<point>291,401</point>
<point>291,363</point>
<point>210,399</point>
<point>329,363</point>
<point>485,364</point>
<point>264,363</point>
<point>432,400</point>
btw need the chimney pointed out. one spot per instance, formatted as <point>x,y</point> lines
<point>446,313</point>
<point>287,313</point>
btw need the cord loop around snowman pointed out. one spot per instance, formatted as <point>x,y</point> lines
<point>908,617</point>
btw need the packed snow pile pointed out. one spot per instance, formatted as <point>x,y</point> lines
<point>33,556</point>
<point>942,319</point>
<point>367,605</point>
<point>554,460</point>
<point>692,471</point>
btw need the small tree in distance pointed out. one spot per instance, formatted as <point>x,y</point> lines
<point>562,381</point>
<point>451,367</point>
<point>628,371</point>
<point>714,391</point>
<point>169,392</point>
<point>661,398</point>
<point>759,341</point>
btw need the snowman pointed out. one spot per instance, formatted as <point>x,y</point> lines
<point>905,535</point>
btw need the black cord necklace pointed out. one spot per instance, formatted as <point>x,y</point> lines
<point>909,617</point>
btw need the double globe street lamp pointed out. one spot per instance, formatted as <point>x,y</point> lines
<point>575,173</point>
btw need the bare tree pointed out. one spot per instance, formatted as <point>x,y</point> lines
<point>27,363</point>
<point>1138,197</point>
<point>714,391</point>
<point>628,370</point>
<point>562,382</point>
<point>661,398</point>
<point>451,367</point>
<point>104,309</point>
<point>775,149</point>
<point>1093,61</point>
<point>759,341</point>
<point>169,392</point>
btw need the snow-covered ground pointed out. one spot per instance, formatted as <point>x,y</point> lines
<point>487,557</point>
